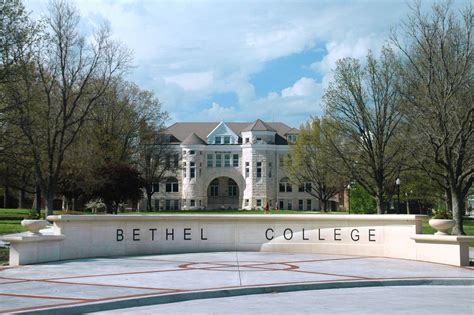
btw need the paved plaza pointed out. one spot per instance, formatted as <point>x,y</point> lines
<point>238,282</point>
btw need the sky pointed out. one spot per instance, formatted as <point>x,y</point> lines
<point>241,60</point>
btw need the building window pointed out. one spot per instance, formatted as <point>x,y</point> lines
<point>259,169</point>
<point>176,160</point>
<point>217,140</point>
<point>210,160</point>
<point>281,205</point>
<point>292,138</point>
<point>171,185</point>
<point>307,187</point>
<point>247,140</point>
<point>270,169</point>
<point>247,169</point>
<point>171,204</point>
<point>192,170</point>
<point>185,170</point>
<point>235,160</point>
<point>301,204</point>
<point>155,187</point>
<point>281,159</point>
<point>226,160</point>
<point>232,188</point>
<point>246,202</point>
<point>192,152</point>
<point>285,185</point>
<point>214,187</point>
<point>308,205</point>
<point>193,203</point>
<point>226,139</point>
<point>218,160</point>
<point>259,202</point>
<point>301,188</point>
<point>290,205</point>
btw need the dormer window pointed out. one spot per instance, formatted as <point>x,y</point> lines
<point>292,138</point>
<point>226,139</point>
<point>218,140</point>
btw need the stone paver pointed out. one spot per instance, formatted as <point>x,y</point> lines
<point>418,300</point>
<point>129,281</point>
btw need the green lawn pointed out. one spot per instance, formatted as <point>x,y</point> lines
<point>10,220</point>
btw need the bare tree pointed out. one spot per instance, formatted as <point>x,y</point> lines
<point>156,158</point>
<point>308,166</point>
<point>438,89</point>
<point>363,103</point>
<point>60,86</point>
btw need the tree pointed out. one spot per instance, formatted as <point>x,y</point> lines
<point>361,201</point>
<point>117,183</point>
<point>156,159</point>
<point>363,103</point>
<point>60,85</point>
<point>309,163</point>
<point>438,90</point>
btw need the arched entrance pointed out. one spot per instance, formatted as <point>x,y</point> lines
<point>223,193</point>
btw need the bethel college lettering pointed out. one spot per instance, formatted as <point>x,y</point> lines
<point>288,234</point>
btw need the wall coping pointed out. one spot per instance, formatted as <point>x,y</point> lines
<point>27,237</point>
<point>240,217</point>
<point>429,238</point>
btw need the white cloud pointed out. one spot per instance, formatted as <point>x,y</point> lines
<point>350,47</point>
<point>219,113</point>
<point>302,87</point>
<point>192,81</point>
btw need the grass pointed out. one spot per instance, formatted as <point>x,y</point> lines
<point>10,220</point>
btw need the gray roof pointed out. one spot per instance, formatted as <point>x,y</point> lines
<point>258,125</point>
<point>193,139</point>
<point>292,131</point>
<point>182,130</point>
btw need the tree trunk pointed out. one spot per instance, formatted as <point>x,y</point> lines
<point>109,208</point>
<point>37,202</point>
<point>323,206</point>
<point>21,199</point>
<point>148,200</point>
<point>458,209</point>
<point>449,200</point>
<point>379,204</point>
<point>6,192</point>
<point>49,203</point>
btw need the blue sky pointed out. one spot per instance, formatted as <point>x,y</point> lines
<point>241,60</point>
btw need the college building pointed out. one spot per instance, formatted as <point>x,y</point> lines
<point>232,165</point>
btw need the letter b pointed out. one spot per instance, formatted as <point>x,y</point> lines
<point>119,235</point>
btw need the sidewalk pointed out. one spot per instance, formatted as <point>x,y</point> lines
<point>119,283</point>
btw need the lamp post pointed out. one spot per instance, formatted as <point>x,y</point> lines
<point>349,196</point>
<point>397,182</point>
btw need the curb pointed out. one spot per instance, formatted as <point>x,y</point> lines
<point>182,297</point>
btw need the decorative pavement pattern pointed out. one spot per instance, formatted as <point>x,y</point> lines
<point>116,283</point>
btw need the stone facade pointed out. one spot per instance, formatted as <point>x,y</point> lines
<point>231,166</point>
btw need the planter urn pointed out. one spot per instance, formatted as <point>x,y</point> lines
<point>441,225</point>
<point>34,226</point>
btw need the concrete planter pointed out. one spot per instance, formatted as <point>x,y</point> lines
<point>441,225</point>
<point>34,226</point>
